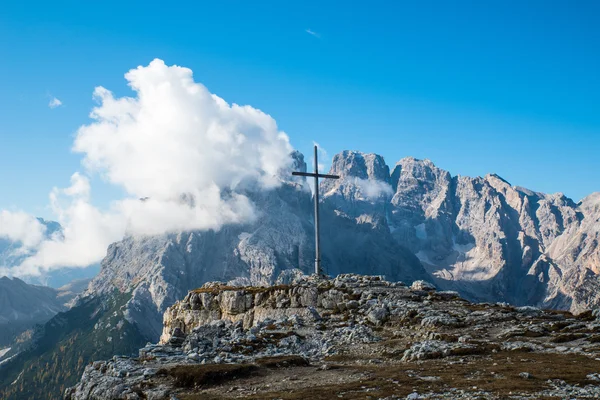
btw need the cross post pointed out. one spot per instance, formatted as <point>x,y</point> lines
<point>316,175</point>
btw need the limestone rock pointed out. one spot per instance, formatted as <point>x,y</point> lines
<point>254,327</point>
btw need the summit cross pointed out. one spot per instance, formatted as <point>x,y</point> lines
<point>316,175</point>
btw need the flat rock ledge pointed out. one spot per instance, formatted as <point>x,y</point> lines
<point>353,337</point>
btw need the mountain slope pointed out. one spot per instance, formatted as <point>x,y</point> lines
<point>481,236</point>
<point>21,302</point>
<point>493,241</point>
<point>158,270</point>
<point>23,305</point>
<point>95,329</point>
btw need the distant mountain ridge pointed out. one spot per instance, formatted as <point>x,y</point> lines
<point>487,239</point>
<point>22,305</point>
<point>481,236</point>
<point>21,302</point>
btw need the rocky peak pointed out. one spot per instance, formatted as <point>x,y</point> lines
<point>418,182</point>
<point>360,165</point>
<point>591,204</point>
<point>298,163</point>
<point>363,187</point>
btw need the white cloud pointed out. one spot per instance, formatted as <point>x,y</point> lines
<point>373,189</point>
<point>313,33</point>
<point>183,148</point>
<point>54,102</point>
<point>86,234</point>
<point>21,227</point>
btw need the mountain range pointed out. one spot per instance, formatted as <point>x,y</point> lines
<point>481,236</point>
<point>22,306</point>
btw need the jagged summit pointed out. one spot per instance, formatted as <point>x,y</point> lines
<point>360,165</point>
<point>411,159</point>
<point>592,200</point>
<point>497,179</point>
<point>480,236</point>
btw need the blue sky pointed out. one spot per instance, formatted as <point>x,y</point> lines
<point>509,87</point>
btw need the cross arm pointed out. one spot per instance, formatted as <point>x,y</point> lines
<point>317,175</point>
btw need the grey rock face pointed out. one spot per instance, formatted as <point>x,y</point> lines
<point>364,185</point>
<point>479,236</point>
<point>278,246</point>
<point>493,241</point>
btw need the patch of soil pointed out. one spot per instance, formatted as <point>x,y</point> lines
<point>498,373</point>
<point>282,362</point>
<point>191,376</point>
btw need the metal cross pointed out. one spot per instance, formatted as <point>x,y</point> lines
<point>316,175</point>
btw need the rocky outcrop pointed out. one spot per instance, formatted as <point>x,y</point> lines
<point>363,188</point>
<point>365,334</point>
<point>253,305</point>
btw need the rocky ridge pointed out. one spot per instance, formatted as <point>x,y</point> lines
<point>351,337</point>
<point>159,270</point>
<point>482,237</point>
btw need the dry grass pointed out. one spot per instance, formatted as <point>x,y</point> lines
<point>192,376</point>
<point>586,316</point>
<point>282,362</point>
<point>567,337</point>
<point>594,339</point>
<point>498,374</point>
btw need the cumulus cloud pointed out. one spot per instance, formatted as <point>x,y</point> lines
<point>54,102</point>
<point>86,233</point>
<point>185,151</point>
